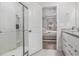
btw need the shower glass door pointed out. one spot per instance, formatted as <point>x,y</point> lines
<point>13,29</point>
<point>25,30</point>
<point>19,26</point>
<point>22,26</point>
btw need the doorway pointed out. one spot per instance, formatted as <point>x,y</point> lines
<point>49,26</point>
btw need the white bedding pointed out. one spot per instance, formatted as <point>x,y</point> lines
<point>50,33</point>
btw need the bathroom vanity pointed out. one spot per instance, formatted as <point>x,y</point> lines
<point>70,42</point>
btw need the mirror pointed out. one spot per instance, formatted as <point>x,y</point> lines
<point>77,15</point>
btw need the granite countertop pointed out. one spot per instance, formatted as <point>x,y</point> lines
<point>72,32</point>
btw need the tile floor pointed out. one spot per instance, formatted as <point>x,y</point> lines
<point>49,49</point>
<point>48,52</point>
<point>49,44</point>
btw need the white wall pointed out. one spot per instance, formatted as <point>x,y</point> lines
<point>67,14</point>
<point>65,18</point>
<point>35,24</point>
<point>7,27</point>
<point>77,15</point>
<point>47,4</point>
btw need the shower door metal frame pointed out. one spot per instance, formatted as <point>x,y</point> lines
<point>23,6</point>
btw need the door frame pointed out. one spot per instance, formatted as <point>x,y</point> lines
<point>56,25</point>
<point>23,6</point>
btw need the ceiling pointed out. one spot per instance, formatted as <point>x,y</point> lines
<point>46,3</point>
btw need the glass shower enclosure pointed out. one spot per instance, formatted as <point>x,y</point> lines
<point>13,29</point>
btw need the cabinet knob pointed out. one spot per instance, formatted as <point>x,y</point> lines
<point>70,45</point>
<point>75,50</point>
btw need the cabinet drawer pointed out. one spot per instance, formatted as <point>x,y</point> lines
<point>65,46</point>
<point>77,51</point>
<point>69,38</point>
<point>72,39</point>
<point>71,51</point>
<point>66,51</point>
<point>64,40</point>
<point>65,36</point>
<point>76,41</point>
<point>68,45</point>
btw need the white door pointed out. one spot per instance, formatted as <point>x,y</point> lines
<point>35,29</point>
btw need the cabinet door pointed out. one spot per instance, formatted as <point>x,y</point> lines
<point>65,46</point>
<point>69,47</point>
<point>7,17</point>
<point>66,37</point>
<point>77,46</point>
<point>35,24</point>
<point>77,51</point>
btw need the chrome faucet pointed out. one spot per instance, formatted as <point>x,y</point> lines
<point>73,27</point>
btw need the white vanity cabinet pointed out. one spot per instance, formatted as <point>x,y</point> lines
<point>70,44</point>
<point>77,46</point>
